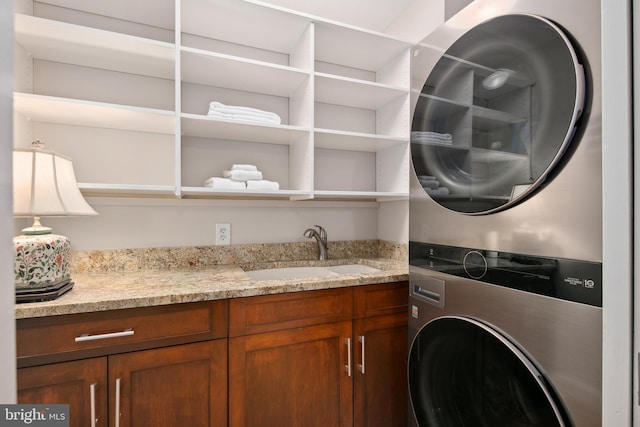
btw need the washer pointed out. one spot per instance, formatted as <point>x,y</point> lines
<point>505,224</point>
<point>503,339</point>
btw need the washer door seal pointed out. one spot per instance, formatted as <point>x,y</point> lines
<point>462,372</point>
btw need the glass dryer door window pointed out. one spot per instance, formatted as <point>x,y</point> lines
<point>496,114</point>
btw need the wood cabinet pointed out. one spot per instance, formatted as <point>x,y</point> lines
<point>287,359</point>
<point>114,86</point>
<point>82,384</point>
<point>291,378</point>
<point>184,385</point>
<point>319,367</point>
<point>380,355</point>
<point>164,385</point>
<point>334,357</point>
<point>380,377</point>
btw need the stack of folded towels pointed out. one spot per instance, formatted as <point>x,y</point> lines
<point>242,114</point>
<point>431,137</point>
<point>432,186</point>
<point>241,177</point>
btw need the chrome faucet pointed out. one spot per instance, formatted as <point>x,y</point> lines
<point>321,238</point>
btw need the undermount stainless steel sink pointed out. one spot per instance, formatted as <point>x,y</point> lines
<point>284,273</point>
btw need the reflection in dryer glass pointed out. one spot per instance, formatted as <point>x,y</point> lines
<point>496,113</point>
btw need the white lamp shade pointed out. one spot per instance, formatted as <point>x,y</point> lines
<point>44,184</point>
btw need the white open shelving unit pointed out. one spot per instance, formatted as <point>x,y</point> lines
<point>125,93</point>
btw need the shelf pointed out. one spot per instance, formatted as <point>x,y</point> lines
<point>113,190</point>
<point>246,23</point>
<point>479,154</point>
<point>49,109</point>
<point>359,195</point>
<point>486,117</point>
<point>207,127</point>
<point>488,156</point>
<point>240,52</point>
<point>482,114</point>
<point>266,26</point>
<point>460,148</point>
<point>90,47</point>
<point>354,141</point>
<point>263,194</point>
<point>449,102</point>
<point>212,69</point>
<point>163,15</point>
<point>356,93</point>
<point>365,49</point>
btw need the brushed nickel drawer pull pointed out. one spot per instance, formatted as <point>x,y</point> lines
<point>347,367</point>
<point>361,365</point>
<point>93,404</point>
<point>117,408</point>
<point>87,337</point>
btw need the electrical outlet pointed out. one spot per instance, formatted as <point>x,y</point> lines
<point>223,234</point>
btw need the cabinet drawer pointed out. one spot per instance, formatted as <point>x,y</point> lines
<point>291,310</point>
<point>58,338</point>
<point>378,300</point>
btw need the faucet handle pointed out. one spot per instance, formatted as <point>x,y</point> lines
<point>323,233</point>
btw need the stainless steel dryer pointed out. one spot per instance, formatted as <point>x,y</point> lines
<point>505,223</point>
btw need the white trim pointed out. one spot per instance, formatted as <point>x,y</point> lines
<point>617,176</point>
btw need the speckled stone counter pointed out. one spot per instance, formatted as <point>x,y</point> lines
<point>118,289</point>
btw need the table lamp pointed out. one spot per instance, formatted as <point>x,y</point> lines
<point>44,184</point>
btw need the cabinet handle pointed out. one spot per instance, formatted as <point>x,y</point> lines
<point>92,390</point>
<point>117,410</point>
<point>87,337</point>
<point>347,367</point>
<point>361,365</point>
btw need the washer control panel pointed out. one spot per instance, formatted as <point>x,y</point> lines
<point>475,264</point>
<point>571,280</point>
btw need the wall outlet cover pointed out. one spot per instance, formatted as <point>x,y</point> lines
<point>223,234</point>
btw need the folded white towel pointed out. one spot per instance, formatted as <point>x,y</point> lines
<point>244,167</point>
<point>270,117</point>
<point>432,141</point>
<point>430,183</point>
<point>218,182</point>
<point>440,191</point>
<point>242,175</point>
<point>218,107</point>
<point>262,184</point>
<point>240,117</point>
<point>427,134</point>
<point>234,108</point>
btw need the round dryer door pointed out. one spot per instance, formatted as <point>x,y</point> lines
<point>464,373</point>
<point>496,114</point>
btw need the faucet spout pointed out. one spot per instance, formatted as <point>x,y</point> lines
<point>321,239</point>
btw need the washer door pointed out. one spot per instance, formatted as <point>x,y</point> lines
<point>496,114</point>
<point>464,373</point>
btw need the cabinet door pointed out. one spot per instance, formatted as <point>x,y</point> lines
<point>185,385</point>
<point>292,378</point>
<point>81,384</point>
<point>380,378</point>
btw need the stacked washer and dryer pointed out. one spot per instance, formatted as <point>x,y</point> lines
<point>505,225</point>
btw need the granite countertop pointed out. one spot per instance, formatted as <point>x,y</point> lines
<point>101,291</point>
